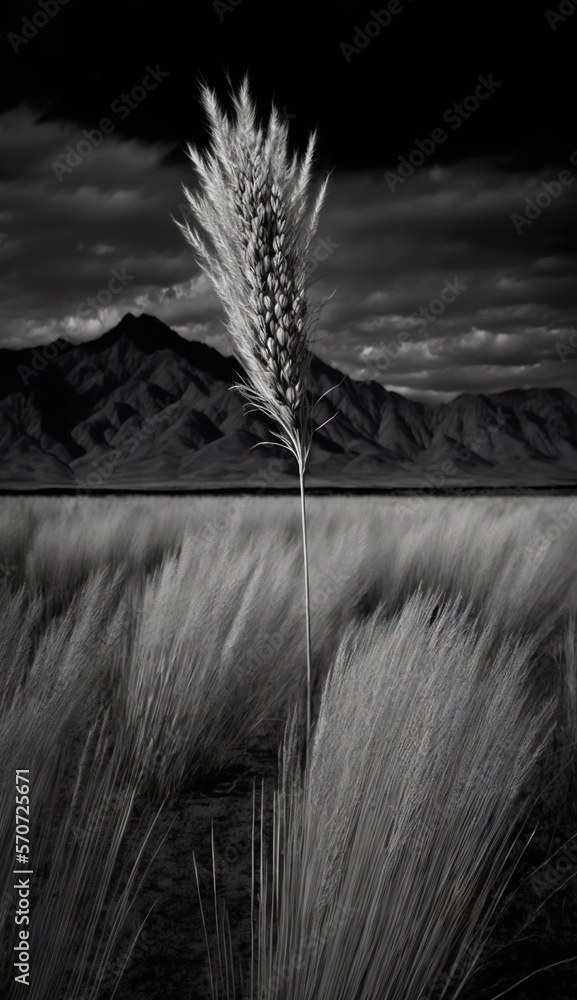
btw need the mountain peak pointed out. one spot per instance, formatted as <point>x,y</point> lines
<point>146,334</point>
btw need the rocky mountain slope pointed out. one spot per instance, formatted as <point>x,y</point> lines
<point>141,407</point>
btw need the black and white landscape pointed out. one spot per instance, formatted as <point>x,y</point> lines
<point>288,501</point>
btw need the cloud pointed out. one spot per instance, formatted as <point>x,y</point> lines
<point>68,238</point>
<point>397,252</point>
<point>383,261</point>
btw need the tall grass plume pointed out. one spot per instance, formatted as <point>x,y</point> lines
<point>259,220</point>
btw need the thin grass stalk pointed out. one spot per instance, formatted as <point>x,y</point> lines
<point>213,990</point>
<point>252,892</point>
<point>307,601</point>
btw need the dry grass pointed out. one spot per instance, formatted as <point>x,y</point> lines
<point>82,794</point>
<point>204,679</point>
<point>90,855</point>
<point>389,856</point>
<point>189,648</point>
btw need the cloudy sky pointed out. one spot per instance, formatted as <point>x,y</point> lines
<point>434,278</point>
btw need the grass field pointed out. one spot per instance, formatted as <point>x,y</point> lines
<point>153,654</point>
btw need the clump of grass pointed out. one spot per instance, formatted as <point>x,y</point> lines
<point>560,788</point>
<point>208,679</point>
<point>82,794</point>
<point>88,853</point>
<point>89,860</point>
<point>99,535</point>
<point>388,856</point>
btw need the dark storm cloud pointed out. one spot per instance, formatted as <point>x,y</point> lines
<point>432,288</point>
<point>398,252</point>
<point>66,237</point>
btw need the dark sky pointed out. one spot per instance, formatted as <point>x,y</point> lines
<point>387,245</point>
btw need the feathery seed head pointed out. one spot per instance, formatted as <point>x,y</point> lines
<point>259,221</point>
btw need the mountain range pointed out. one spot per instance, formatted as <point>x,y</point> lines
<point>142,408</point>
